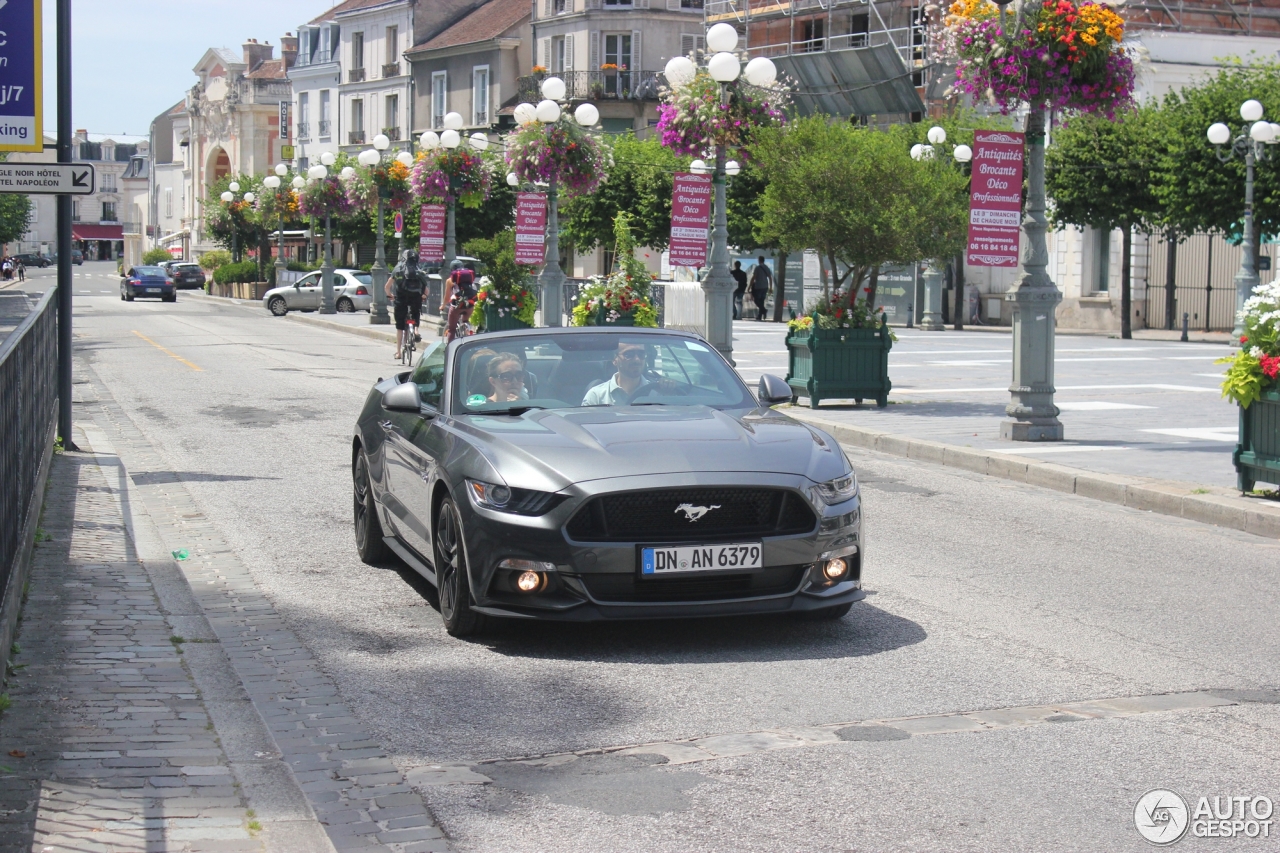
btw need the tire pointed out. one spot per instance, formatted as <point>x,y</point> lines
<point>369,534</point>
<point>128,297</point>
<point>345,306</point>
<point>452,585</point>
<point>277,306</point>
<point>827,614</point>
<point>122,299</point>
<point>173,298</point>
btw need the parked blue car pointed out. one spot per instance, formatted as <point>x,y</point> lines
<point>149,283</point>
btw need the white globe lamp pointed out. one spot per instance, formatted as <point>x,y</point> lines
<point>318,172</point>
<point>404,158</point>
<point>1261,131</point>
<point>368,157</point>
<point>547,111</point>
<point>512,180</point>
<point>429,141</point>
<point>234,186</point>
<point>553,88</point>
<point>228,196</point>
<point>1251,110</point>
<point>250,197</point>
<point>453,121</point>
<point>698,167</point>
<point>722,38</point>
<point>381,142</point>
<point>937,135</point>
<point>586,115</point>
<point>732,167</point>
<point>1219,133</point>
<point>525,114</point>
<point>298,182</point>
<point>347,172</point>
<point>681,70</point>
<point>917,151</point>
<point>479,141</point>
<point>963,154</point>
<point>327,159</point>
<point>450,139</point>
<point>271,182</point>
<point>724,67</point>
<point>282,169</point>
<point>761,72</point>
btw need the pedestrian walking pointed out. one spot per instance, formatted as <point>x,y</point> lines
<point>761,283</point>
<point>22,270</point>
<point>740,276</point>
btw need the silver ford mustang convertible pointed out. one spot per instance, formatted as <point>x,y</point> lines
<point>588,474</point>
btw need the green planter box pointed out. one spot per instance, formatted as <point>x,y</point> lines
<point>840,363</point>
<point>1257,456</point>
<point>495,322</point>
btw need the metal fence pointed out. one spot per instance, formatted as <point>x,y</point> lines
<point>28,411</point>
<point>1204,287</point>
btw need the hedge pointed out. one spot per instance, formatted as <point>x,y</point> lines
<point>244,271</point>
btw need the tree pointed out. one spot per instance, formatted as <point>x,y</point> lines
<point>639,184</point>
<point>15,213</point>
<point>856,196</point>
<point>156,255</point>
<point>744,197</point>
<point>1101,173</point>
<point>1199,192</point>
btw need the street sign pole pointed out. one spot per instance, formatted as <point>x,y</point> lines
<point>64,228</point>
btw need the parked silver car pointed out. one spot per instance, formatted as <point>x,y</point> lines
<point>352,291</point>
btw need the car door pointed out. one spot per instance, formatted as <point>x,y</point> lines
<point>306,293</point>
<point>414,447</point>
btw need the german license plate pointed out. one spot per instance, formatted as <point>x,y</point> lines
<point>153,290</point>
<point>679,559</point>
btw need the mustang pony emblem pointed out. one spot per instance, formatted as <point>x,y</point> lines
<point>693,513</point>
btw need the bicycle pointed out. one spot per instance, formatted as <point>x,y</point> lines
<point>410,341</point>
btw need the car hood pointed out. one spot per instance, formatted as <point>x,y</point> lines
<point>551,449</point>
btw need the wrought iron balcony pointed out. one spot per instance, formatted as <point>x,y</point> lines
<point>355,75</point>
<point>391,69</point>
<point>595,85</point>
<point>355,137</point>
<point>392,133</point>
<point>323,129</point>
<point>303,131</point>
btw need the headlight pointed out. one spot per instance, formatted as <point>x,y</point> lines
<point>836,491</point>
<point>503,498</point>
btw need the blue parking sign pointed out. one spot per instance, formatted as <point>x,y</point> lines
<point>21,98</point>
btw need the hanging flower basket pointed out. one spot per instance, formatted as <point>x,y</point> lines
<point>1252,382</point>
<point>691,117</point>
<point>325,197</point>
<point>1053,54</point>
<point>562,151</point>
<point>444,175</point>
<point>388,181</point>
<point>272,204</point>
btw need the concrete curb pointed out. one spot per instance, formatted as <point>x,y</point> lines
<point>376,333</point>
<point>1167,497</point>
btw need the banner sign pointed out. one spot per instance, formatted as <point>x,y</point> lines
<point>531,228</point>
<point>995,200</point>
<point>431,234</point>
<point>21,75</point>
<point>690,219</point>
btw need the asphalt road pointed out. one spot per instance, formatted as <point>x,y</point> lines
<point>984,594</point>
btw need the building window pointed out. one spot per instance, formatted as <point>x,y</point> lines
<point>108,182</point>
<point>357,50</point>
<point>480,95</point>
<point>168,201</point>
<point>391,104</point>
<point>690,4</point>
<point>558,54</point>
<point>439,98</point>
<point>689,43</point>
<point>812,33</point>
<point>303,164</point>
<point>303,121</point>
<point>561,6</point>
<point>324,128</point>
<point>357,122</point>
<point>1101,260</point>
<point>859,29</point>
<point>108,211</point>
<point>617,4</point>
<point>393,44</point>
<point>75,209</point>
<point>617,51</point>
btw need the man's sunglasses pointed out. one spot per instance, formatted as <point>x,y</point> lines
<point>510,376</point>
<point>631,354</point>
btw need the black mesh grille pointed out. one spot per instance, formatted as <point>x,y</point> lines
<point>655,516</point>
<point>778,580</point>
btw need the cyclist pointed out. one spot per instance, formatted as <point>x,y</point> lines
<point>405,288</point>
<point>459,298</point>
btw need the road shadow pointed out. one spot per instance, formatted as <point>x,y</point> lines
<point>867,630</point>
<point>152,478</point>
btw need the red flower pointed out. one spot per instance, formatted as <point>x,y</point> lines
<point>1244,339</point>
<point>1270,366</point>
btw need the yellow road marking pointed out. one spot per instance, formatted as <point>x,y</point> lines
<point>167,352</point>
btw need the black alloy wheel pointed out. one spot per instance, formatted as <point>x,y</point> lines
<point>369,542</point>
<point>451,575</point>
<point>277,306</point>
<point>345,306</point>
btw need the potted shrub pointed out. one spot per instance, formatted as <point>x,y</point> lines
<point>622,297</point>
<point>1252,382</point>
<point>839,350</point>
<point>504,299</point>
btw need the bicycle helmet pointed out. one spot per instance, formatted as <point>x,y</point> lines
<point>408,255</point>
<point>456,265</point>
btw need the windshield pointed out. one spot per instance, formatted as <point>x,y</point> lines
<point>149,271</point>
<point>607,369</point>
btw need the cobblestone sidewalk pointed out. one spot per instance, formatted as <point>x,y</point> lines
<point>107,745</point>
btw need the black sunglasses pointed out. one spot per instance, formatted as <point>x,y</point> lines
<point>510,376</point>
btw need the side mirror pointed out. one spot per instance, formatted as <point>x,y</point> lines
<point>773,390</point>
<point>403,398</point>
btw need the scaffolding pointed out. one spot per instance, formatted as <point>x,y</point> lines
<point>1211,17</point>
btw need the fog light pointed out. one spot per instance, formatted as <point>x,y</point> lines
<point>529,581</point>
<point>835,569</point>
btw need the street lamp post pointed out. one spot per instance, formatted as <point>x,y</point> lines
<point>548,111</point>
<point>724,66</point>
<point>228,196</point>
<point>273,182</point>
<point>1032,414</point>
<point>379,273</point>
<point>931,315</point>
<point>1250,144</point>
<point>316,173</point>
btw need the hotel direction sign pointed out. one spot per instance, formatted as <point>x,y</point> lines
<point>21,96</point>
<point>47,178</point>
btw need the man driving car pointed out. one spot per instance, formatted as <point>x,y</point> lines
<point>620,388</point>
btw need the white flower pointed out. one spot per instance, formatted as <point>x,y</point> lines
<point>1256,352</point>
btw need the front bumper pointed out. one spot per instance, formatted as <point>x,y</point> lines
<point>600,580</point>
